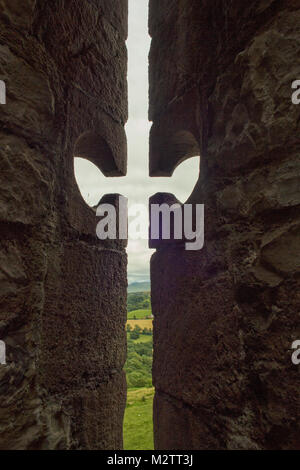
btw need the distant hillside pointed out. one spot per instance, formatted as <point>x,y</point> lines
<point>139,287</point>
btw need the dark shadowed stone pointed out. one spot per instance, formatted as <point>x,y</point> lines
<point>225,317</point>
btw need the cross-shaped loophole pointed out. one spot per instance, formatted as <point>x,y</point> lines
<point>138,187</point>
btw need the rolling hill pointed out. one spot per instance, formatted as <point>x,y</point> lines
<point>139,287</point>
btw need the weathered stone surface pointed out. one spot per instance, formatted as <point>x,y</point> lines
<point>87,319</point>
<point>62,291</point>
<point>226,317</point>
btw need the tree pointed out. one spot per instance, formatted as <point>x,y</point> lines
<point>138,329</point>
<point>134,335</point>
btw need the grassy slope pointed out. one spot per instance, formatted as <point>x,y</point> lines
<point>138,428</point>
<point>143,339</point>
<point>139,314</point>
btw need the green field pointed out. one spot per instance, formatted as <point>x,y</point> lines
<point>138,427</point>
<point>143,339</point>
<point>139,314</point>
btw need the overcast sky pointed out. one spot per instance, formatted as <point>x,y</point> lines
<point>137,185</point>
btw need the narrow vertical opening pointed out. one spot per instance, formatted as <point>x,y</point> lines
<point>138,187</point>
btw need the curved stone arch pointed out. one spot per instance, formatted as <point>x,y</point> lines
<point>105,146</point>
<point>110,159</point>
<point>183,146</point>
<point>167,153</point>
<point>92,146</point>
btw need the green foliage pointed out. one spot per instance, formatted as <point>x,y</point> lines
<point>138,301</point>
<point>147,331</point>
<point>138,366</point>
<point>134,335</point>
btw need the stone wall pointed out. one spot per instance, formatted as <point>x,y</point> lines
<point>226,316</point>
<point>62,292</point>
